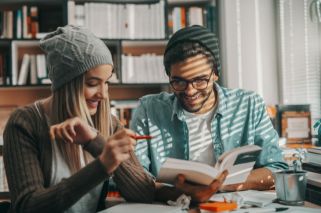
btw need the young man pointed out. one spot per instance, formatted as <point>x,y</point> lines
<point>201,120</point>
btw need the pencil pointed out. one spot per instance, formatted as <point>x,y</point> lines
<point>140,137</point>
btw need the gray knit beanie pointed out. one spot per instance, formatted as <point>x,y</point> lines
<point>70,52</point>
<point>198,34</point>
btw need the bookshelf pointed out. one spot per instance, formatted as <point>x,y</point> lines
<point>136,32</point>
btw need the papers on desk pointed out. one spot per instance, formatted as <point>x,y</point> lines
<point>250,197</point>
<point>291,209</point>
<point>141,207</point>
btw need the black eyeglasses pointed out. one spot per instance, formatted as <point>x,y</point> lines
<point>197,83</point>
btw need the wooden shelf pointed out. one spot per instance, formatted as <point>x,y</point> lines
<point>20,96</point>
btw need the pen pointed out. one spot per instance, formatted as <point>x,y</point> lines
<point>261,210</point>
<point>139,137</point>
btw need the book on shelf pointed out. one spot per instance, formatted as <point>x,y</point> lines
<point>33,70</point>
<point>145,68</point>
<point>41,66</point>
<point>123,110</point>
<point>127,21</point>
<point>186,15</point>
<point>24,70</point>
<point>26,21</point>
<point>239,162</point>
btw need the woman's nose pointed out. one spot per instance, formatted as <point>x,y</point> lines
<point>103,92</point>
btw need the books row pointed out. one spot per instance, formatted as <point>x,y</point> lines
<point>144,68</point>
<point>33,70</point>
<point>20,23</point>
<point>129,21</point>
<point>180,17</point>
<point>313,156</point>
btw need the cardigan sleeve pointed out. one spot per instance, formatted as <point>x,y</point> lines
<point>131,179</point>
<point>26,179</point>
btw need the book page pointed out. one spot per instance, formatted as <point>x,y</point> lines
<point>193,171</point>
<point>239,162</point>
<point>238,155</point>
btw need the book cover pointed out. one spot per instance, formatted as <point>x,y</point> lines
<point>239,162</point>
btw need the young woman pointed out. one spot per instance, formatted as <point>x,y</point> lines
<point>59,151</point>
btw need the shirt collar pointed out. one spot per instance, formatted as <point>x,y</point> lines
<point>221,97</point>
<point>221,107</point>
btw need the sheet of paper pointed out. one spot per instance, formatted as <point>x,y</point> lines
<point>140,207</point>
<point>250,197</point>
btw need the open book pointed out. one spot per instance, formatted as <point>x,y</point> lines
<point>239,163</point>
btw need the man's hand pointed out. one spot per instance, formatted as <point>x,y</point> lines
<point>258,179</point>
<point>200,193</point>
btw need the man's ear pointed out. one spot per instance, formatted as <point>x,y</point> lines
<point>215,77</point>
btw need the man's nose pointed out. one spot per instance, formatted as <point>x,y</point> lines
<point>190,90</point>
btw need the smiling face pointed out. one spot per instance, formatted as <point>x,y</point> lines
<point>96,86</point>
<point>193,69</point>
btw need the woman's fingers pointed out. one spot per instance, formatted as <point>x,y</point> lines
<point>73,130</point>
<point>66,136</point>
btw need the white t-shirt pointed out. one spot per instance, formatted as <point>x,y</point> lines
<point>200,138</point>
<point>60,170</point>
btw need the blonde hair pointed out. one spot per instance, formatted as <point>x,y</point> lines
<point>68,102</point>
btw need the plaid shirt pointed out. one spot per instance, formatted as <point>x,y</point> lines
<point>240,119</point>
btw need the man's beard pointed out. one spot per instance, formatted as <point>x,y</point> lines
<point>202,98</point>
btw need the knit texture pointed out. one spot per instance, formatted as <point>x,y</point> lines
<point>71,51</point>
<point>27,157</point>
<point>198,34</point>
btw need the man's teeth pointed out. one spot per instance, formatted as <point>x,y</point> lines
<point>192,98</point>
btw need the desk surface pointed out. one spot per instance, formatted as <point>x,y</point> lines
<point>306,204</point>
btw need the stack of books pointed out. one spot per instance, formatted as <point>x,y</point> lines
<point>313,160</point>
<point>313,166</point>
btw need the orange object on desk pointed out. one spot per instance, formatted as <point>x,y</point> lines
<point>218,206</point>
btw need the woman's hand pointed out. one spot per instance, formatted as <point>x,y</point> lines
<point>117,149</point>
<point>200,193</point>
<point>73,130</point>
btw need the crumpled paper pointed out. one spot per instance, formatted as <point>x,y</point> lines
<point>234,197</point>
<point>182,201</point>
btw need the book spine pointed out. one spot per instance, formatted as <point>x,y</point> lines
<point>23,74</point>
<point>34,25</point>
